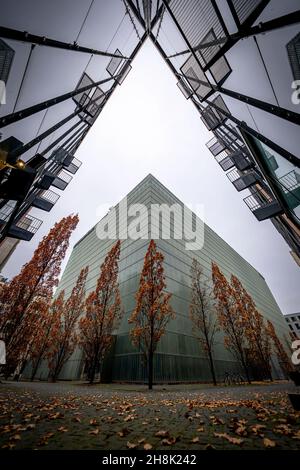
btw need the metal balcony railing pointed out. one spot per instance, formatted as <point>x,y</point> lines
<point>210,118</point>
<point>215,146</point>
<point>225,161</point>
<point>45,200</point>
<point>241,160</point>
<point>290,184</point>
<point>263,205</point>
<point>62,156</point>
<point>74,166</point>
<point>6,210</point>
<point>194,75</point>
<point>62,180</point>
<point>184,88</point>
<point>23,229</point>
<point>114,63</point>
<point>290,181</point>
<point>124,72</point>
<point>242,181</point>
<point>29,223</point>
<point>218,101</point>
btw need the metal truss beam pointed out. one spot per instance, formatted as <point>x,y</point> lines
<point>24,36</point>
<point>283,113</point>
<point>281,22</point>
<point>24,113</point>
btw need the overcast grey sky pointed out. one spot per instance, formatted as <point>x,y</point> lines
<point>148,126</point>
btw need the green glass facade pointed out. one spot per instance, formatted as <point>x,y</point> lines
<point>179,356</point>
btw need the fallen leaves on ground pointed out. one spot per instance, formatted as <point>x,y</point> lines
<point>268,442</point>
<point>232,440</point>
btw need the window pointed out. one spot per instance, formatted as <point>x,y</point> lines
<point>297,326</point>
<point>293,50</point>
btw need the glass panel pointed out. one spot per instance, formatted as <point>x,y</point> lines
<point>285,173</point>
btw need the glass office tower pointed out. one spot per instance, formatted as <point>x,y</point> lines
<point>179,356</point>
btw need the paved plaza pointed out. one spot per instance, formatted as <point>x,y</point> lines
<point>119,416</point>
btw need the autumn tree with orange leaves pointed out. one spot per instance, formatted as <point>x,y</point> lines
<point>259,345</point>
<point>283,358</point>
<point>66,339</point>
<point>103,313</point>
<point>202,313</point>
<point>30,293</point>
<point>46,331</point>
<point>229,318</point>
<point>153,311</point>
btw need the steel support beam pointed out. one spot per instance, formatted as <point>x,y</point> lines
<point>166,4</point>
<point>136,13</point>
<point>24,36</point>
<point>45,134</point>
<point>157,16</point>
<point>231,42</point>
<point>24,113</point>
<point>281,22</point>
<point>283,113</point>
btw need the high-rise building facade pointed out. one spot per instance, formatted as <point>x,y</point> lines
<point>293,321</point>
<point>179,356</point>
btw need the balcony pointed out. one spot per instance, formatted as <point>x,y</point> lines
<point>210,118</point>
<point>184,88</point>
<point>290,184</point>
<point>45,200</point>
<point>45,181</point>
<point>225,161</point>
<point>74,166</point>
<point>24,229</point>
<point>243,181</point>
<point>241,161</point>
<point>114,63</point>
<point>215,146</point>
<point>59,181</point>
<point>62,180</point>
<point>62,156</point>
<point>263,206</point>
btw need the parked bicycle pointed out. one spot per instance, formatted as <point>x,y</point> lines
<point>233,378</point>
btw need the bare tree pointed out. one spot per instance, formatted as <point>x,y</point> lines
<point>201,313</point>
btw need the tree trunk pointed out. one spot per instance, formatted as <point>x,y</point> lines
<point>93,371</point>
<point>246,370</point>
<point>150,371</point>
<point>35,368</point>
<point>212,368</point>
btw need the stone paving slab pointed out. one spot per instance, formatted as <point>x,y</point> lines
<point>68,415</point>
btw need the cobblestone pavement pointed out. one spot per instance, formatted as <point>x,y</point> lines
<point>118,416</point>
